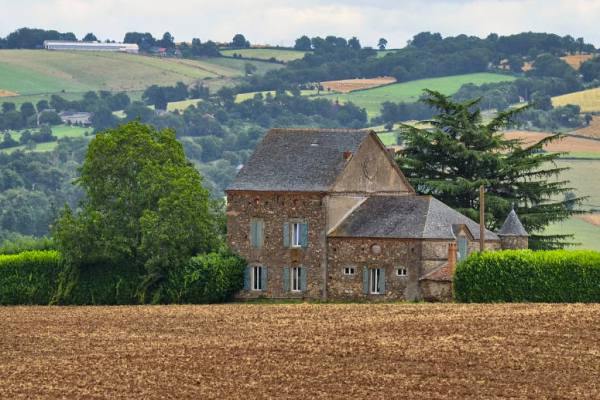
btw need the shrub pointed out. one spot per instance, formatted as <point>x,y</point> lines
<point>209,278</point>
<point>98,284</point>
<point>528,276</point>
<point>29,277</point>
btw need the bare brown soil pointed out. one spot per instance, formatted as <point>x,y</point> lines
<point>349,85</point>
<point>592,130</point>
<point>7,93</point>
<point>567,144</point>
<point>593,219</point>
<point>416,351</point>
<point>576,60</point>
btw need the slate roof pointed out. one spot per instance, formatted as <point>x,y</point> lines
<point>512,226</point>
<point>407,217</point>
<point>298,160</point>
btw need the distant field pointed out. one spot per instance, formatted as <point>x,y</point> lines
<point>60,131</point>
<point>245,96</point>
<point>350,85</point>
<point>586,234</point>
<point>301,351</point>
<point>182,105</point>
<point>284,55</point>
<point>584,176</point>
<point>35,74</point>
<point>410,91</point>
<point>592,130</point>
<point>576,60</point>
<point>588,100</point>
<point>575,146</point>
<point>383,53</point>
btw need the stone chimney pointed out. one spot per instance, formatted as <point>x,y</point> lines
<point>451,258</point>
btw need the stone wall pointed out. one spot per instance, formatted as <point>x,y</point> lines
<point>275,209</point>
<point>358,253</point>
<point>514,242</point>
<point>436,290</point>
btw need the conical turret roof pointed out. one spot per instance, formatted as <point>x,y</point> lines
<point>512,226</point>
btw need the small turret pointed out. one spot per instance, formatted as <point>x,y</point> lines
<point>512,234</point>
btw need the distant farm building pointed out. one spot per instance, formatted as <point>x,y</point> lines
<point>90,46</point>
<point>76,118</point>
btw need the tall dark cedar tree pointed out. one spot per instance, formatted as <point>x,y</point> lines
<point>458,152</point>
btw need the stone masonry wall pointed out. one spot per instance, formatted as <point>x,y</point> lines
<point>514,242</point>
<point>358,253</point>
<point>276,208</point>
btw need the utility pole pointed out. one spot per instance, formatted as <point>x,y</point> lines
<point>481,218</point>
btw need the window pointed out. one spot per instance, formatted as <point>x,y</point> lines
<point>258,278</point>
<point>463,249</point>
<point>257,227</point>
<point>296,279</point>
<point>296,235</point>
<point>374,281</point>
<point>401,271</point>
<point>349,271</point>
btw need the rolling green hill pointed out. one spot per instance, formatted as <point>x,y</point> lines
<point>284,55</point>
<point>371,99</point>
<point>31,73</point>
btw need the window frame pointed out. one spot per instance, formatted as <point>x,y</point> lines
<point>296,234</point>
<point>374,277</point>
<point>296,279</point>
<point>349,271</point>
<point>404,271</point>
<point>256,277</point>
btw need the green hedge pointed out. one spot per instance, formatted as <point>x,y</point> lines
<point>29,277</point>
<point>41,277</point>
<point>209,278</point>
<point>529,276</point>
<point>98,284</point>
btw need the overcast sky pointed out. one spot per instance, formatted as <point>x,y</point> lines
<point>279,22</point>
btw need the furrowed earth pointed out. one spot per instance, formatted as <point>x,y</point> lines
<point>328,351</point>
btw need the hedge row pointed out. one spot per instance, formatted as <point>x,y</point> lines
<point>29,277</point>
<point>528,276</point>
<point>41,277</point>
<point>210,278</point>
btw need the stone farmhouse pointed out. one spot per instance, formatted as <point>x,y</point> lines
<point>327,214</point>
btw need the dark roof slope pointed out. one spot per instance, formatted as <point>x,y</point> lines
<point>422,217</point>
<point>298,159</point>
<point>512,226</point>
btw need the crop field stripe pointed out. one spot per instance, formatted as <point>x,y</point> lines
<point>443,351</point>
<point>410,91</point>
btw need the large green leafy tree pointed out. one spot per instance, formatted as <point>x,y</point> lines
<point>144,206</point>
<point>456,152</point>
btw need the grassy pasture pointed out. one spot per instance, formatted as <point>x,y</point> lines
<point>586,234</point>
<point>433,351</point>
<point>372,99</point>
<point>245,96</point>
<point>284,55</point>
<point>36,74</point>
<point>60,131</point>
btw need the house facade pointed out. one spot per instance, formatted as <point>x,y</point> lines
<point>327,214</point>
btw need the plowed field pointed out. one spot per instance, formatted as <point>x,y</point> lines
<point>350,85</point>
<point>349,351</point>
